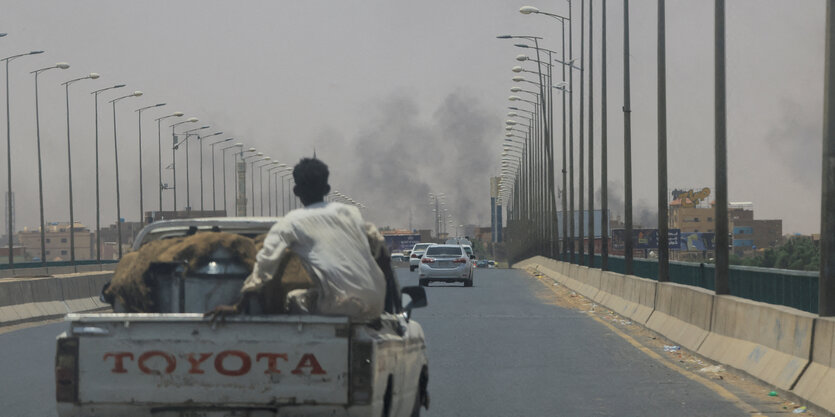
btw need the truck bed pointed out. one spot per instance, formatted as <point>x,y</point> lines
<point>183,359</point>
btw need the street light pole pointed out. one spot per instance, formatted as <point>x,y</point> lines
<point>604,157</point>
<point>92,76</point>
<point>663,233</point>
<point>627,145</point>
<point>116,158</point>
<point>188,134</point>
<point>60,65</point>
<point>212,146</point>
<point>159,152</point>
<point>141,195</point>
<point>223,158</point>
<point>200,141</point>
<point>174,146</point>
<point>721,153</point>
<point>9,157</point>
<point>98,201</point>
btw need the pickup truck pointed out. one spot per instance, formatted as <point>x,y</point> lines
<point>182,364</point>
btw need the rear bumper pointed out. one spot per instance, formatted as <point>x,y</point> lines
<point>121,410</point>
<point>452,275</point>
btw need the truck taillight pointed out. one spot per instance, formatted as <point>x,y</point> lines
<point>362,372</point>
<point>426,260</point>
<point>460,261</point>
<point>66,370</point>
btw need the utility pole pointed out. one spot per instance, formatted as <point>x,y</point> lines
<point>604,186</point>
<point>581,234</point>
<point>721,149</point>
<point>591,133</point>
<point>826,282</point>
<point>663,233</point>
<point>627,144</point>
<point>572,241</point>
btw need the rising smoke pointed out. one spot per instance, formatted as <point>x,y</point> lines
<point>400,157</point>
<point>643,214</point>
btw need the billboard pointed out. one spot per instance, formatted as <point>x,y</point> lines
<point>401,242</point>
<point>696,241</point>
<point>645,238</point>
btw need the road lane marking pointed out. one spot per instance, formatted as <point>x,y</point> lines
<point>716,388</point>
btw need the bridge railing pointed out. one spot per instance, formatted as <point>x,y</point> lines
<point>797,289</point>
<point>26,265</point>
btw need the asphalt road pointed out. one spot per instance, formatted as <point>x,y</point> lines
<point>498,350</point>
<point>494,350</point>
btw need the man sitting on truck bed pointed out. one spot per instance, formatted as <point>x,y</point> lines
<point>342,251</point>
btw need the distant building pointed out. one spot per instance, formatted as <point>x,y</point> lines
<point>57,242</point>
<point>691,219</point>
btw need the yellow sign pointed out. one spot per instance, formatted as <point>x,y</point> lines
<point>691,198</point>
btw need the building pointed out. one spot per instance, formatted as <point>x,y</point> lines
<point>691,218</point>
<point>750,234</point>
<point>57,242</point>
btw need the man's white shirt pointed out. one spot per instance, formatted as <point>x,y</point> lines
<point>334,241</point>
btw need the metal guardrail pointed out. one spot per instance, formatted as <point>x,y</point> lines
<point>796,289</point>
<point>25,265</point>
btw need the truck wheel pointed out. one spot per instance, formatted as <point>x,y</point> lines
<point>412,268</point>
<point>423,283</point>
<point>468,283</point>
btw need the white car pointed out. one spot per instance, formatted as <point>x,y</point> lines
<point>417,253</point>
<point>446,263</point>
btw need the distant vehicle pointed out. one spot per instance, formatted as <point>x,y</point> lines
<point>470,254</point>
<point>491,263</point>
<point>446,263</point>
<point>399,257</point>
<point>483,264</point>
<point>417,253</point>
<point>459,241</point>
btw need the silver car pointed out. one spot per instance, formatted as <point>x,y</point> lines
<point>445,263</point>
<point>417,253</point>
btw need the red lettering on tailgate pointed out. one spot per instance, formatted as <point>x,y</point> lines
<point>271,361</point>
<point>195,362</point>
<point>170,362</point>
<point>118,358</point>
<point>246,363</point>
<point>308,361</point>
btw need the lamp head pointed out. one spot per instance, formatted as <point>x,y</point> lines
<point>62,65</point>
<point>94,76</point>
<point>512,114</point>
<point>515,89</point>
<point>516,69</point>
<point>177,114</point>
<point>521,58</point>
<point>137,93</point>
<point>118,86</point>
<point>518,78</point>
<point>528,10</point>
<point>514,98</point>
<point>192,119</point>
<point>251,150</point>
<point>503,37</point>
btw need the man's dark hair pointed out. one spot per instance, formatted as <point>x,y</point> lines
<point>311,177</point>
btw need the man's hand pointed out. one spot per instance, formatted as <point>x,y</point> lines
<point>222,311</point>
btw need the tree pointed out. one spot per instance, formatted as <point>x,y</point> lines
<point>797,253</point>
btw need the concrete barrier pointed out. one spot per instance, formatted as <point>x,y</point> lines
<point>627,295</point>
<point>682,314</point>
<point>32,299</point>
<point>817,384</point>
<point>770,342</point>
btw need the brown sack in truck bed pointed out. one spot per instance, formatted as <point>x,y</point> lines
<point>128,284</point>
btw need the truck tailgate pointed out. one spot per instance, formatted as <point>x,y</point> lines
<point>184,359</point>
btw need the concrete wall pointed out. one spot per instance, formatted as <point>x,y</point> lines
<point>788,348</point>
<point>54,270</point>
<point>32,299</point>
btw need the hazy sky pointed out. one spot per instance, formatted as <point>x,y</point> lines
<point>403,98</point>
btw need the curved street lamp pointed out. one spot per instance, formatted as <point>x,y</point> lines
<point>116,158</point>
<point>174,153</point>
<point>223,159</point>
<point>10,203</point>
<point>159,152</point>
<point>212,146</point>
<point>200,141</point>
<point>98,200</point>
<point>141,195</point>
<point>91,76</point>
<point>60,65</point>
